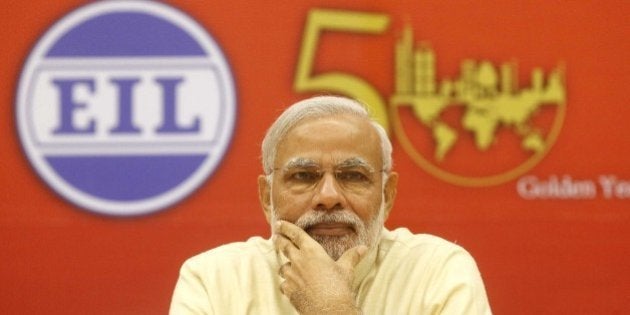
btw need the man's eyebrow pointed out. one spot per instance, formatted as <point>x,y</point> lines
<point>355,162</point>
<point>300,163</point>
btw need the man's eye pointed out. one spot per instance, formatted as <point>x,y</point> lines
<point>305,176</point>
<point>352,176</point>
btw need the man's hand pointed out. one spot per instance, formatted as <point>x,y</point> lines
<point>314,282</point>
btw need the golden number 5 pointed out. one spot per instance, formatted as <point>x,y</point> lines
<point>338,82</point>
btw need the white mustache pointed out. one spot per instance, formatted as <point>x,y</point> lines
<point>313,218</point>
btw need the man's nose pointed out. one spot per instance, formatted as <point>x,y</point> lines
<point>328,195</point>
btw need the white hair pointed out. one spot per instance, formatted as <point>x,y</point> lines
<point>317,107</point>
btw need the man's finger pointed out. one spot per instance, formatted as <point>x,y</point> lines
<point>283,287</point>
<point>291,231</point>
<point>283,269</point>
<point>352,257</point>
<point>285,246</point>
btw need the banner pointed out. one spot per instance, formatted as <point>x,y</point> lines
<point>132,134</point>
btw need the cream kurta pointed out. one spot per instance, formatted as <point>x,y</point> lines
<point>408,274</point>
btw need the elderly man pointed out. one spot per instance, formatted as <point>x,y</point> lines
<point>327,188</point>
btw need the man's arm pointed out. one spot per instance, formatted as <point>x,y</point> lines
<point>314,282</point>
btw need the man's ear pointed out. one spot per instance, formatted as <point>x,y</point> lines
<point>264,195</point>
<point>389,192</point>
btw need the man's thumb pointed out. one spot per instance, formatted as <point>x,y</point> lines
<point>352,256</point>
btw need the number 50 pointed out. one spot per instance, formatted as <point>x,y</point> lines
<point>338,82</point>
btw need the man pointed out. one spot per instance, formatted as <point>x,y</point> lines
<point>327,188</point>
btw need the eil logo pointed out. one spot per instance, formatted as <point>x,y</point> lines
<point>125,108</point>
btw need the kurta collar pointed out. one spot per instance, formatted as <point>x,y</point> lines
<point>365,265</point>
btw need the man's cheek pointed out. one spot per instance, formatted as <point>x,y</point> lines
<point>289,215</point>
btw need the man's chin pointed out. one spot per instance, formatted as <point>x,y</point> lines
<point>335,245</point>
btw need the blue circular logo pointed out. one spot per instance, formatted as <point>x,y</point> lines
<point>125,108</point>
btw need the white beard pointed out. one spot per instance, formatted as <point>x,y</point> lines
<point>367,234</point>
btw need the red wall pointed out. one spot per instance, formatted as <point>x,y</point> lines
<point>537,256</point>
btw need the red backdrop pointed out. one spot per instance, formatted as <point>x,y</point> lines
<point>537,256</point>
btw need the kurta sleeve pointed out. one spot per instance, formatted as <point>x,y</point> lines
<point>190,295</point>
<point>460,287</point>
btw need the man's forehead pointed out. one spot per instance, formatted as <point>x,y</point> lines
<point>329,141</point>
